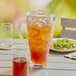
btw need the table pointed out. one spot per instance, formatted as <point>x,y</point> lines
<point>57,65</point>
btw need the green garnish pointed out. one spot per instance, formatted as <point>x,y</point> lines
<point>63,44</point>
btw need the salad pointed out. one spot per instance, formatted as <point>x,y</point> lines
<point>63,44</point>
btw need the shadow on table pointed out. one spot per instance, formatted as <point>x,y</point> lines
<point>58,53</point>
<point>37,72</point>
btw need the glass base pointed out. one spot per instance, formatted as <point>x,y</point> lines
<point>6,47</point>
<point>34,65</point>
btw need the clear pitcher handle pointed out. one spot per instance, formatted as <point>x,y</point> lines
<point>20,33</point>
<point>19,27</point>
<point>56,18</point>
<point>21,37</point>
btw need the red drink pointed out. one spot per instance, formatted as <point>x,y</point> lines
<point>20,66</point>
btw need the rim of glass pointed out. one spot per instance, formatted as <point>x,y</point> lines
<point>7,23</point>
<point>39,14</point>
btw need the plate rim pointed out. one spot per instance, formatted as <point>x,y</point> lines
<point>1,48</point>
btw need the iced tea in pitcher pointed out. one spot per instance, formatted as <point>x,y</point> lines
<point>39,33</point>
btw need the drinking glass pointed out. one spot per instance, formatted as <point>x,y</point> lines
<point>39,33</point>
<point>7,35</point>
<point>20,63</point>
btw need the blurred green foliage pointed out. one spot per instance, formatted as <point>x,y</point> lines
<point>72,5</point>
<point>63,9</point>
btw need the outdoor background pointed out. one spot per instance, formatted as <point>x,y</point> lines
<point>13,10</point>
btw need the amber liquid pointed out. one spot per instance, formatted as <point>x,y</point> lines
<point>39,38</point>
<point>19,67</point>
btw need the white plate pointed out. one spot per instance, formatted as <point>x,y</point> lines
<point>4,48</point>
<point>57,50</point>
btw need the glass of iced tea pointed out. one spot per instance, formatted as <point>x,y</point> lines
<point>20,64</point>
<point>39,33</point>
